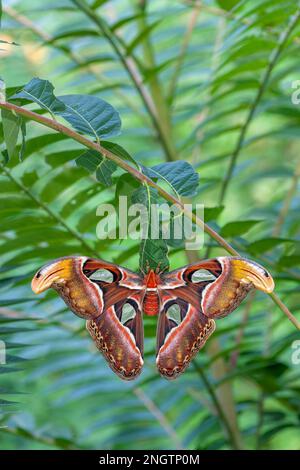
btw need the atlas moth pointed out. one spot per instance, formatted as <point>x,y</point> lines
<point>187,301</point>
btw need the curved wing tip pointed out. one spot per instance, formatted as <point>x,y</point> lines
<point>55,271</point>
<point>249,270</point>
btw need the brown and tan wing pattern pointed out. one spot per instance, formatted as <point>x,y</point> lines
<point>201,293</point>
<point>109,298</point>
<point>179,341</point>
<point>235,277</point>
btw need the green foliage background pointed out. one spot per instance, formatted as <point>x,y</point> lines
<point>218,76</point>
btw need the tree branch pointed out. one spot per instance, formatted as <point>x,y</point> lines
<point>55,125</point>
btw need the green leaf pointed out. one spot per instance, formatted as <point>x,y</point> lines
<point>237,228</point>
<point>73,34</point>
<point>7,302</point>
<point>5,156</point>
<point>87,114</point>
<point>124,21</point>
<point>228,4</point>
<point>98,3</point>
<point>126,186</point>
<point>267,244</point>
<point>11,127</point>
<point>41,92</point>
<point>138,40</point>
<point>211,213</point>
<point>3,90</point>
<point>91,115</point>
<point>180,175</point>
<point>23,134</point>
<point>289,261</point>
<point>104,171</point>
<point>119,151</point>
<point>153,252</point>
<point>94,162</point>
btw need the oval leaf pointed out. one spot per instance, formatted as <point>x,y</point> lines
<point>94,162</point>
<point>41,92</point>
<point>11,127</point>
<point>91,115</point>
<point>180,175</point>
<point>237,228</point>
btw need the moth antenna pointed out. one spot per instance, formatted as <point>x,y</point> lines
<point>164,269</point>
<point>142,271</point>
<point>147,266</point>
<point>158,270</point>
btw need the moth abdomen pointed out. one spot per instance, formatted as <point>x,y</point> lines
<point>151,303</point>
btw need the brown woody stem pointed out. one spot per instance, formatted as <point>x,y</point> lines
<point>50,123</point>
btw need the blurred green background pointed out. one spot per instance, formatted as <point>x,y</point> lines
<point>219,79</point>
